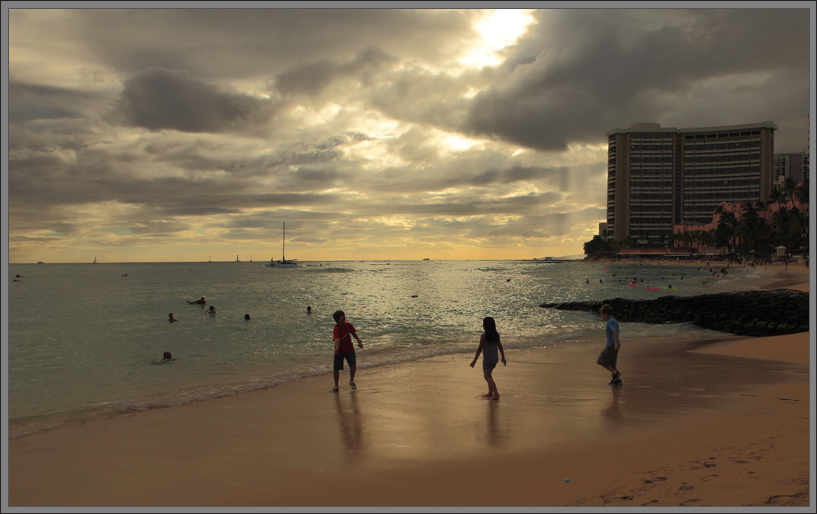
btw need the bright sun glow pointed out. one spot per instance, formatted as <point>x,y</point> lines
<point>455,142</point>
<point>499,28</point>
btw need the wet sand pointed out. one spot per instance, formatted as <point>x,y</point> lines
<point>716,423</point>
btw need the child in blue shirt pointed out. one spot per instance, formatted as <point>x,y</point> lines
<point>608,358</point>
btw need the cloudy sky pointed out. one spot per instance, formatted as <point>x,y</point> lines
<point>182,135</point>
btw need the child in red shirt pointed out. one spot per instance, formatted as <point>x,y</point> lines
<point>344,349</point>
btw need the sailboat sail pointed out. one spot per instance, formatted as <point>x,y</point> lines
<point>283,263</point>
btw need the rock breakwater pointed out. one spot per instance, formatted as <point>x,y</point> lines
<point>750,313</point>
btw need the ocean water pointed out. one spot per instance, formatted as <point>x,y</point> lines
<point>86,340</point>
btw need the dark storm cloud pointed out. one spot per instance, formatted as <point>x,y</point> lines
<point>159,99</point>
<point>242,43</point>
<point>580,73</point>
<point>29,102</point>
<point>418,96</point>
<point>312,79</point>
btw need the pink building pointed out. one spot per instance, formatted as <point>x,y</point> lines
<point>734,208</point>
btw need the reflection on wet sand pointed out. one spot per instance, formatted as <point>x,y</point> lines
<point>613,411</point>
<point>496,438</point>
<point>351,426</point>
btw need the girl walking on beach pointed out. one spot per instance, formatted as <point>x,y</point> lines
<point>489,344</point>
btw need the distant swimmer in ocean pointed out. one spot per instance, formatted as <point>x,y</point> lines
<point>167,357</point>
<point>170,318</point>
<point>246,317</point>
<point>308,309</point>
<point>587,281</point>
<point>212,310</point>
<point>198,302</point>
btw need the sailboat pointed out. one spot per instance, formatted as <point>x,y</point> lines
<point>94,260</point>
<point>236,258</point>
<point>283,263</point>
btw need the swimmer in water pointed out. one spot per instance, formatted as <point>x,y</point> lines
<point>246,317</point>
<point>198,302</point>
<point>170,318</point>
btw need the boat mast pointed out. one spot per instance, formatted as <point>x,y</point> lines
<point>284,244</point>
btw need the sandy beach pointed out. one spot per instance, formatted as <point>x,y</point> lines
<point>697,423</point>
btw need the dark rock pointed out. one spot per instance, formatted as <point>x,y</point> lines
<point>754,313</point>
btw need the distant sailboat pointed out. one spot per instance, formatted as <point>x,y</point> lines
<point>209,259</point>
<point>236,258</point>
<point>94,260</point>
<point>283,263</point>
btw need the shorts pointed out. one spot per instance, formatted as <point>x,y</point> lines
<point>608,357</point>
<point>350,358</point>
<point>488,366</point>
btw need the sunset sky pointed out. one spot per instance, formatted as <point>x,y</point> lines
<point>182,135</point>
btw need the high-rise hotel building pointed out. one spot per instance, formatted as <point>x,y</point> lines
<point>661,177</point>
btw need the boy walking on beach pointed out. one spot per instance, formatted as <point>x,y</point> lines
<point>608,358</point>
<point>344,349</point>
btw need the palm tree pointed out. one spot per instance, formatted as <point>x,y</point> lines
<point>726,231</point>
<point>628,243</point>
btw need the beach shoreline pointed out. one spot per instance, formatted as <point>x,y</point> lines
<point>419,434</point>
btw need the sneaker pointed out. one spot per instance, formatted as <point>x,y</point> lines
<point>617,382</point>
<point>617,375</point>
<point>335,389</point>
<point>352,385</point>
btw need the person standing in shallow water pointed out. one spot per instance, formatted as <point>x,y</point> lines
<point>489,346</point>
<point>344,349</point>
<point>608,358</point>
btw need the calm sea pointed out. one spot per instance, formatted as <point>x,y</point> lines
<point>86,340</point>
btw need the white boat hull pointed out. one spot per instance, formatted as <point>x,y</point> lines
<point>281,264</point>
